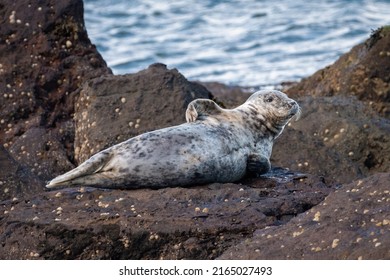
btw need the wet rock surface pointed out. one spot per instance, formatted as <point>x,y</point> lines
<point>58,96</point>
<point>353,222</point>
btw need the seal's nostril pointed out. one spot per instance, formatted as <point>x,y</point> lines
<point>291,103</point>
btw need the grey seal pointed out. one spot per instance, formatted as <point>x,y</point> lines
<point>214,145</point>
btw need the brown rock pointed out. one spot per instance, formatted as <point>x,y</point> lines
<point>16,181</point>
<point>362,72</point>
<point>112,109</point>
<point>172,223</point>
<point>45,56</point>
<point>228,96</point>
<point>337,137</point>
<point>42,150</point>
<point>352,223</point>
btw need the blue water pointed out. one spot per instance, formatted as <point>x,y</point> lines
<point>248,42</point>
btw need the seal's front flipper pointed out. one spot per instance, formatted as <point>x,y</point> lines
<point>258,164</point>
<point>199,108</point>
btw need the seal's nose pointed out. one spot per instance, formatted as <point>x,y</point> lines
<point>292,103</point>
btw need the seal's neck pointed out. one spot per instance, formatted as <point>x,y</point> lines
<point>260,122</point>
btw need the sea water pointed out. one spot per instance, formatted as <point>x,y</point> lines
<point>247,42</point>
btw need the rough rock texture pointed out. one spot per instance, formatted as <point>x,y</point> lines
<point>15,180</point>
<point>363,72</point>
<point>45,57</point>
<point>112,109</point>
<point>352,223</point>
<point>343,135</point>
<point>337,137</point>
<point>42,150</point>
<point>173,223</point>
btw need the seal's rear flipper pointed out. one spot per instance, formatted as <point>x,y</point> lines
<point>201,108</point>
<point>75,176</point>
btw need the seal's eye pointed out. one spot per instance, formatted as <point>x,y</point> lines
<point>269,99</point>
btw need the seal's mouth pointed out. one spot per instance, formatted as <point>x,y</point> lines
<point>295,111</point>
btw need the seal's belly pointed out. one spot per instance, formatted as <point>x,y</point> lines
<point>182,157</point>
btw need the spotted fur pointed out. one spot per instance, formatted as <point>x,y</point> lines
<point>215,145</point>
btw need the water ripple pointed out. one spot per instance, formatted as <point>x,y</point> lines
<point>246,42</point>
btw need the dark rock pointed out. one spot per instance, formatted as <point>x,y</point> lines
<point>42,150</point>
<point>45,57</point>
<point>16,181</point>
<point>352,223</point>
<point>228,96</point>
<point>337,137</point>
<point>362,72</point>
<point>172,223</point>
<point>112,109</point>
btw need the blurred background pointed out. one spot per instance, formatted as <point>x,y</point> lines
<point>247,42</point>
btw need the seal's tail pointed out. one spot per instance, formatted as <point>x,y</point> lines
<point>85,173</point>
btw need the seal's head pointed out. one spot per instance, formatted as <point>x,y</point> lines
<point>273,108</point>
